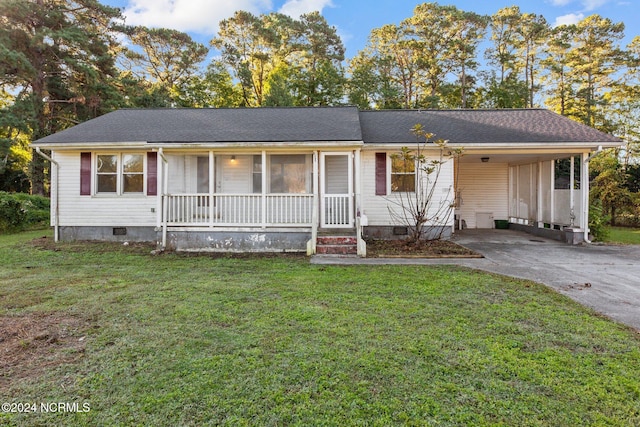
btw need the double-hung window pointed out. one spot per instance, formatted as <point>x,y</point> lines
<point>121,173</point>
<point>403,175</point>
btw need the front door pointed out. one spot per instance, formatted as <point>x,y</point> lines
<point>336,190</point>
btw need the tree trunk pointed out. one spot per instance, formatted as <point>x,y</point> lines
<point>613,216</point>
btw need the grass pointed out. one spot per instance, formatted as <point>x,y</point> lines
<point>196,340</point>
<point>623,235</point>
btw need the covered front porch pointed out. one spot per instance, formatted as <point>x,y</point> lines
<point>269,200</point>
<point>542,193</point>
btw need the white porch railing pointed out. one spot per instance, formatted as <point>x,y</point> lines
<point>238,210</point>
<point>337,210</point>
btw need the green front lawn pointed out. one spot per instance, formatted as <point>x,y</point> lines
<point>624,235</point>
<point>194,340</point>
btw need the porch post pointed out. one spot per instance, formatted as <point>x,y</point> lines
<point>361,244</point>
<point>160,192</point>
<point>164,195</point>
<point>572,201</point>
<point>311,247</point>
<point>517,195</point>
<point>584,188</point>
<point>264,189</point>
<point>212,187</point>
<point>357,184</point>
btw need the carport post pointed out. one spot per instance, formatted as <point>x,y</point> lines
<point>572,203</point>
<point>540,207</point>
<point>584,187</point>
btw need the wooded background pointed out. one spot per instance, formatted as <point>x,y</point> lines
<point>63,62</point>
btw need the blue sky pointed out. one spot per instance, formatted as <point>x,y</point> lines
<point>354,19</point>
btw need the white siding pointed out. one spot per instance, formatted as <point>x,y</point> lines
<point>234,176</point>
<point>376,208</point>
<point>483,187</point>
<point>77,210</point>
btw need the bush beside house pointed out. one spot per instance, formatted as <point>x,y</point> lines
<point>20,211</point>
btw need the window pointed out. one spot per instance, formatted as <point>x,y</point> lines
<point>403,175</point>
<point>120,173</point>
<point>132,173</point>
<point>288,173</point>
<point>107,173</point>
<point>202,180</point>
<point>257,174</point>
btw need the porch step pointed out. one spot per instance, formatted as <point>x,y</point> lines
<point>337,240</point>
<point>337,245</point>
<point>327,232</point>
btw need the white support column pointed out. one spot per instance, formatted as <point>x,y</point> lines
<point>584,188</point>
<point>160,193</point>
<point>357,183</point>
<point>512,178</point>
<point>264,189</point>
<point>552,205</point>
<point>311,246</point>
<point>164,194</point>
<point>572,202</point>
<point>518,216</point>
<point>212,186</point>
<point>540,208</point>
<point>361,245</point>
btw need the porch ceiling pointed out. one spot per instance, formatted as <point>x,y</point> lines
<point>513,158</point>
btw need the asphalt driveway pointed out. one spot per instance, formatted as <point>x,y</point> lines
<point>603,277</point>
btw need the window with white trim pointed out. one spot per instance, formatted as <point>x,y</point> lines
<point>121,173</point>
<point>403,175</point>
<point>289,173</point>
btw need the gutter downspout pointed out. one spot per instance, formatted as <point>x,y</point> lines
<point>56,210</point>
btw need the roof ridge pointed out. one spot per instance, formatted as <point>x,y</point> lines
<point>436,110</point>
<point>276,107</point>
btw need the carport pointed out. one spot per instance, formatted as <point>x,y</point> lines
<point>539,191</point>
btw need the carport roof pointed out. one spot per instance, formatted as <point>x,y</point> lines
<point>471,127</point>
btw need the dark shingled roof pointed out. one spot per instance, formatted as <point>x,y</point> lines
<point>477,126</point>
<point>298,124</point>
<point>217,125</point>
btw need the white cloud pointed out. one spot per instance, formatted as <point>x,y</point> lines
<point>560,2</point>
<point>587,5</point>
<point>200,16</point>
<point>295,8</point>
<point>572,18</point>
<point>590,5</point>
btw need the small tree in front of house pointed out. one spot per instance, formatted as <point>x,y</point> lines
<point>417,202</point>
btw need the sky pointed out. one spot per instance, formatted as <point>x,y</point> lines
<point>354,19</point>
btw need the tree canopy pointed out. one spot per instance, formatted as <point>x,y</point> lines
<point>66,61</point>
